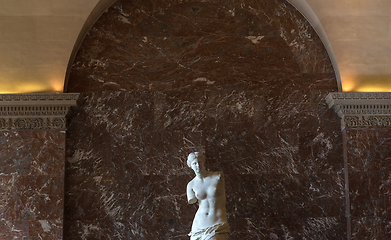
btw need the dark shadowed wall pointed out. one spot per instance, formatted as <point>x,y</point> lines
<point>242,81</point>
<point>368,157</point>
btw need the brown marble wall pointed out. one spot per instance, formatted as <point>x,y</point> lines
<point>166,44</point>
<point>369,155</point>
<point>32,184</point>
<point>243,81</point>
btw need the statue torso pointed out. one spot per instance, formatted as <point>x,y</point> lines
<point>210,193</point>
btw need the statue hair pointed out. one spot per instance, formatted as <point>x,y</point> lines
<point>195,155</point>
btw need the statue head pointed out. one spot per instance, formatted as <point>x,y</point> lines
<point>193,156</point>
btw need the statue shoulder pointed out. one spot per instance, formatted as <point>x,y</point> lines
<point>190,184</point>
<point>218,175</point>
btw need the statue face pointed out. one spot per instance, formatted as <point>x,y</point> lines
<point>197,164</point>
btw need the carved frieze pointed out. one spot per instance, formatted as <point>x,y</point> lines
<point>39,97</point>
<point>362,110</point>
<point>35,111</point>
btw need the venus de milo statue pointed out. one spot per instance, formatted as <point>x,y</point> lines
<point>207,188</point>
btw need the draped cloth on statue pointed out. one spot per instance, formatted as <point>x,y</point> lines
<point>216,232</point>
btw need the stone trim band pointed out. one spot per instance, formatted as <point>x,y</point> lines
<point>35,111</point>
<point>370,121</point>
<point>32,123</point>
<point>38,97</point>
<point>362,110</point>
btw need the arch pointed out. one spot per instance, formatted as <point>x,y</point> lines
<point>305,9</point>
<point>247,87</point>
<point>301,5</point>
<point>98,10</point>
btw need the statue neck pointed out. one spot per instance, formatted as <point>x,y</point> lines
<point>202,174</point>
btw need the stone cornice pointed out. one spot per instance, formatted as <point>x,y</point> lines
<point>360,110</point>
<point>35,111</point>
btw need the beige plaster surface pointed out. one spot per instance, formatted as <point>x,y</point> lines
<point>38,39</point>
<point>359,33</point>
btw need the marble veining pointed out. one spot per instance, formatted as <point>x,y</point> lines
<point>166,45</point>
<point>243,82</point>
<point>368,153</point>
<point>32,184</point>
<point>275,167</point>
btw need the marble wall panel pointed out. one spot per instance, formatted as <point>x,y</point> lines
<point>369,182</point>
<point>130,206</point>
<point>32,184</point>
<point>371,228</point>
<point>180,45</point>
<point>46,229</point>
<point>184,63</point>
<point>242,81</point>
<point>136,179</point>
<point>14,229</point>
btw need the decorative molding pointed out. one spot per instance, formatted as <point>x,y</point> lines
<point>35,111</point>
<point>362,110</point>
<point>39,97</point>
<point>370,121</point>
<point>60,110</point>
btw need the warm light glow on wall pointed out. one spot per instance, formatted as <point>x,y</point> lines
<point>347,85</point>
<point>25,87</point>
<point>368,83</point>
<point>373,89</point>
<point>57,85</point>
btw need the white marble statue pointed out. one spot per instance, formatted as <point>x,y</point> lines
<point>210,221</point>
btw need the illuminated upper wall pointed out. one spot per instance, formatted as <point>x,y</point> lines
<point>37,39</point>
<point>361,40</point>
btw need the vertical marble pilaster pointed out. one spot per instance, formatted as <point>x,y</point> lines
<point>32,153</point>
<point>365,120</point>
